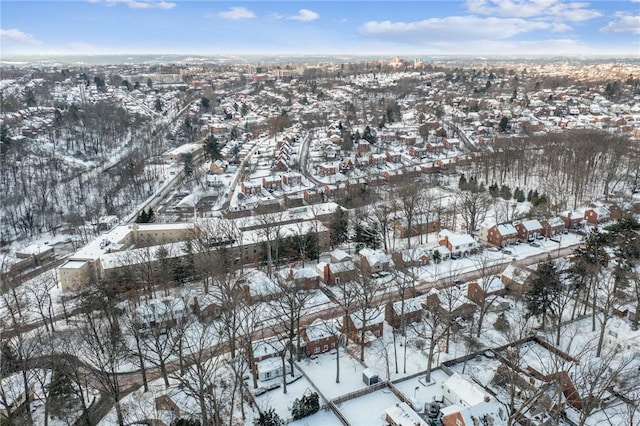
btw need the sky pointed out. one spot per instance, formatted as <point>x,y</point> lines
<point>427,27</point>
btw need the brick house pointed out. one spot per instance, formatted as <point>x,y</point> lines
<point>292,179</point>
<point>319,337</point>
<point>499,235</point>
<point>304,278</point>
<point>353,325</point>
<point>552,227</point>
<point>451,143</point>
<point>327,169</point>
<point>453,303</point>
<point>596,215</point>
<point>417,152</point>
<point>272,182</point>
<point>336,273</point>
<point>516,277</point>
<point>412,312</point>
<point>572,219</point>
<point>419,256</point>
<point>251,187</point>
<point>420,224</point>
<point>377,159</point>
<point>478,294</point>
<point>373,261</point>
<point>529,230</point>
<point>458,244</point>
<point>393,157</point>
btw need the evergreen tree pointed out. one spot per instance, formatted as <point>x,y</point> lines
<point>505,192</point>
<point>504,122</point>
<point>494,190</point>
<point>544,288</point>
<point>339,227</point>
<point>268,418</point>
<point>212,148</point>
<point>307,405</point>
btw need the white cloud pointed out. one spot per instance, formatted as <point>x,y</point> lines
<point>624,23</point>
<point>456,28</point>
<point>548,9</point>
<point>140,4</point>
<point>235,13</point>
<point>17,36</point>
<point>304,15</point>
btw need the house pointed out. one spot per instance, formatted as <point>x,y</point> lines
<point>292,179</point>
<point>251,187</point>
<point>272,368</point>
<point>353,325</point>
<point>364,146</point>
<point>409,258</point>
<point>572,219</point>
<point>529,230</point>
<point>498,235</point>
<point>516,277</point>
<point>266,348</point>
<point>373,261</point>
<point>393,157</point>
<point>336,273</point>
<point>412,312</point>
<point>272,182</point>
<point>441,253</point>
<point>420,224</point>
<point>217,167</point>
<point>319,337</point>
<point>328,169</point>
<point>161,314</point>
<point>451,301</point>
<point>304,278</point>
<point>470,404</point>
<point>552,227</point>
<point>402,414</point>
<point>451,143</point>
<point>596,215</point>
<point>491,289</point>
<point>458,244</point>
<point>338,255</point>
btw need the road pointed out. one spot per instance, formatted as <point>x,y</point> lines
<point>304,160</point>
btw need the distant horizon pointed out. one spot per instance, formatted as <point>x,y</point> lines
<point>141,58</point>
<point>537,28</point>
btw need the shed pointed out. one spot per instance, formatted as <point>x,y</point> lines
<point>369,377</point>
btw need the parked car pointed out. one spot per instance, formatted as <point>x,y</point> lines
<point>534,244</point>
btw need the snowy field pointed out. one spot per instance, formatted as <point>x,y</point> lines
<point>279,401</point>
<point>322,372</point>
<point>368,410</point>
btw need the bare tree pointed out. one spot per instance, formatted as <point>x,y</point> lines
<point>205,377</point>
<point>473,208</point>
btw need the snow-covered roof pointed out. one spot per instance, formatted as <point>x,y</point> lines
<point>456,239</point>
<point>516,272</point>
<point>374,257</point>
<point>506,229</point>
<point>410,305</point>
<point>319,329</point>
<point>372,316</point>
<point>468,393</point>
<point>34,249</point>
<point>531,225</point>
<point>403,415</point>
<point>555,221</point>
